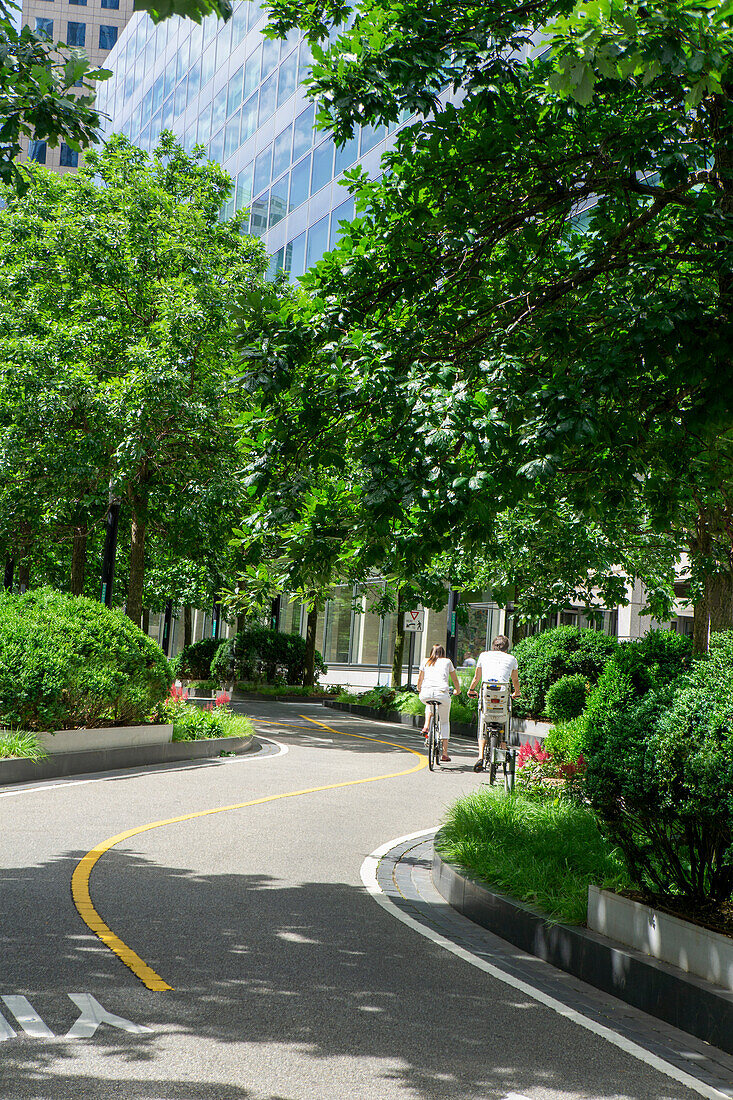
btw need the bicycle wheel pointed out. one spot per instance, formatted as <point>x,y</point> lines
<point>490,746</point>
<point>431,745</point>
<point>438,742</point>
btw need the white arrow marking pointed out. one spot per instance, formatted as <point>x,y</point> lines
<point>6,1031</point>
<point>92,1015</point>
<point>28,1018</point>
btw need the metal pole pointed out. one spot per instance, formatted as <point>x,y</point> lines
<point>410,658</point>
<point>275,613</point>
<point>165,644</point>
<point>451,640</point>
<point>215,618</point>
<point>110,549</point>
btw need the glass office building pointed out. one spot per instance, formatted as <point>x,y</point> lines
<point>227,87</point>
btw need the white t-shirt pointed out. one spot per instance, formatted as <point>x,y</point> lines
<point>436,677</point>
<point>496,665</point>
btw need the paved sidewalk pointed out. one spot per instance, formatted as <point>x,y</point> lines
<point>404,875</point>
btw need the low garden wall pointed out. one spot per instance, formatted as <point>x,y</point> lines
<point>60,764</point>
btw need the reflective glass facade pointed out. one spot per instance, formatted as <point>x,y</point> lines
<point>237,93</point>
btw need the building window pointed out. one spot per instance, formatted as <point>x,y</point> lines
<point>79,3</point>
<point>115,4</point>
<point>317,243</point>
<point>37,151</point>
<point>107,39</point>
<point>44,27</point>
<point>76,34</point>
<point>263,166</point>
<point>322,166</point>
<point>69,157</point>
<point>299,182</point>
<point>295,257</point>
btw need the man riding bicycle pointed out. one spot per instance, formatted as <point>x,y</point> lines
<point>494,664</point>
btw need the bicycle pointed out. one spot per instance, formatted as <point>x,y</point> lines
<point>433,738</point>
<point>495,719</point>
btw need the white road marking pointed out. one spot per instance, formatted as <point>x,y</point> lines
<point>28,1018</point>
<point>369,878</point>
<point>77,781</point>
<point>6,1031</point>
<point>92,1015</point>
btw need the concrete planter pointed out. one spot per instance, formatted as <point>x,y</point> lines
<point>658,988</point>
<point>690,947</point>
<point>530,729</point>
<point>113,737</point>
<point>59,764</point>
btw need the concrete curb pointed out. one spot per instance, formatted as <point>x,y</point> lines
<point>669,994</point>
<point>18,770</point>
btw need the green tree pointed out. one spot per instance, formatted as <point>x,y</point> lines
<point>537,291</point>
<point>118,280</point>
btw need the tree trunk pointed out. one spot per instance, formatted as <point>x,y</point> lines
<point>139,502</point>
<point>187,625</point>
<point>399,643</point>
<point>309,676</point>
<point>9,570</point>
<point>145,621</point>
<point>78,561</point>
<point>700,626</point>
<point>719,598</point>
<point>24,574</point>
<point>241,623</point>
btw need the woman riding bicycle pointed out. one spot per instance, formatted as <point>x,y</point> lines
<point>433,683</point>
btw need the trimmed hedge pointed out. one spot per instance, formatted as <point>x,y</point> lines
<point>658,744</point>
<point>259,653</point>
<point>67,662</point>
<point>194,661</point>
<point>566,698</point>
<point>546,658</point>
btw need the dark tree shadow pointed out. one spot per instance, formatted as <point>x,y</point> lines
<point>314,971</point>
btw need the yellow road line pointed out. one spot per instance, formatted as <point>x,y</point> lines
<point>80,878</point>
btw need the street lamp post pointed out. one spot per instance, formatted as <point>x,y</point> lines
<point>110,549</point>
<point>451,640</point>
<point>165,645</point>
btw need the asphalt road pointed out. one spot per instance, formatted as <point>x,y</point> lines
<point>288,980</point>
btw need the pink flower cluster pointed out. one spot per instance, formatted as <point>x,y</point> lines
<point>178,694</point>
<point>529,752</point>
<point>567,771</point>
<point>221,701</point>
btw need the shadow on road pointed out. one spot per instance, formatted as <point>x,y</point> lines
<point>265,972</point>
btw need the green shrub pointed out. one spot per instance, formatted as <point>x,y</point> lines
<point>566,740</point>
<point>543,853</point>
<point>259,653</point>
<point>192,723</point>
<point>407,702</point>
<point>202,687</point>
<point>20,744</point>
<point>67,662</point>
<point>566,698</point>
<point>194,661</point>
<point>658,746</point>
<point>547,657</point>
